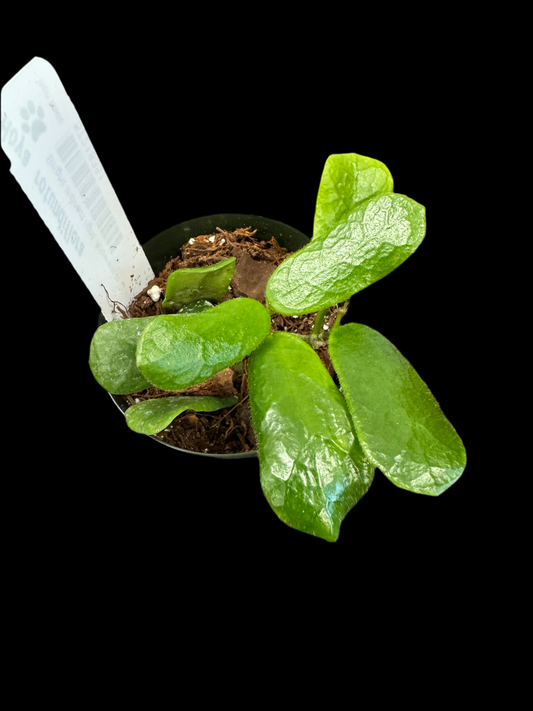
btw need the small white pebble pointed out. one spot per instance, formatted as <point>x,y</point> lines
<point>285,328</point>
<point>212,238</point>
<point>136,399</point>
<point>154,293</point>
<point>229,288</point>
<point>222,241</point>
<point>326,328</point>
<point>294,316</point>
<point>191,240</point>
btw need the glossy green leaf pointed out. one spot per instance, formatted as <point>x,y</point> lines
<point>151,416</point>
<point>112,356</point>
<point>196,307</point>
<point>177,351</point>
<point>381,234</point>
<point>313,470</point>
<point>347,180</point>
<point>198,283</point>
<point>399,423</point>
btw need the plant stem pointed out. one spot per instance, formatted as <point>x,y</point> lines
<point>319,320</point>
<point>338,319</point>
<point>341,313</point>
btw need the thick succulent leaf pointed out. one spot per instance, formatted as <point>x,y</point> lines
<point>381,234</point>
<point>196,307</point>
<point>112,355</point>
<point>151,416</point>
<point>347,180</point>
<point>313,470</point>
<point>198,283</point>
<point>180,350</point>
<point>399,423</point>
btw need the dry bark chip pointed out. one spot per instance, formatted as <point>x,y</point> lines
<point>251,277</point>
<point>220,385</point>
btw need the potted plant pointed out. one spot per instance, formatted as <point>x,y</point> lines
<point>318,444</point>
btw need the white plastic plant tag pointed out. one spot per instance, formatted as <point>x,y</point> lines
<point>55,163</point>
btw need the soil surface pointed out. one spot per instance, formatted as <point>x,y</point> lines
<point>226,431</point>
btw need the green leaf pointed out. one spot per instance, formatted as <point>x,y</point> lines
<point>399,423</point>
<point>112,355</point>
<point>376,238</point>
<point>313,470</point>
<point>347,180</point>
<point>196,307</point>
<point>181,350</point>
<point>198,283</point>
<point>151,416</point>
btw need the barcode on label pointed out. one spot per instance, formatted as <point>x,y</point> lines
<point>83,178</point>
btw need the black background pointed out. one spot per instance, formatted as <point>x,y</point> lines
<point>179,140</point>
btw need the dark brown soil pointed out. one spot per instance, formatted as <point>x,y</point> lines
<point>229,430</point>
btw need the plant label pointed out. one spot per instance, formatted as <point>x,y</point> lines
<point>54,161</point>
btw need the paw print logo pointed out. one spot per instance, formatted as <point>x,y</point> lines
<point>33,120</point>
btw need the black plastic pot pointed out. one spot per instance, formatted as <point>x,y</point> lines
<point>167,244</point>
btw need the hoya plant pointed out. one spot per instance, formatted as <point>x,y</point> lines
<point>318,445</point>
